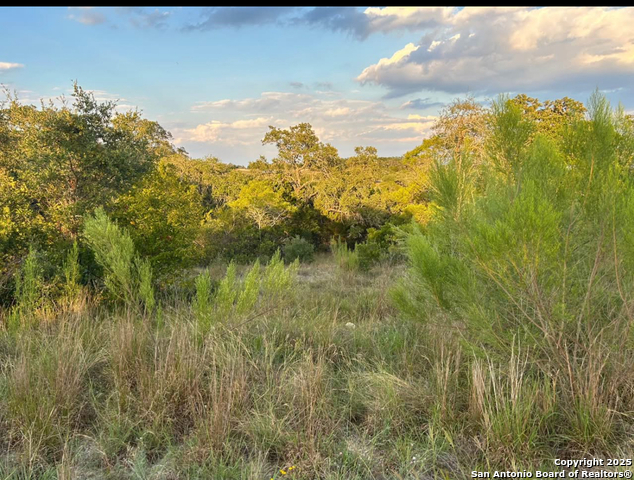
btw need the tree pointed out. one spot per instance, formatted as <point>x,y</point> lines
<point>551,116</point>
<point>65,161</point>
<point>461,127</point>
<point>164,215</point>
<point>264,205</point>
<point>302,159</point>
<point>218,183</point>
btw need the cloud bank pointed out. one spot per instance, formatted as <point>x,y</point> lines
<point>488,50</point>
<point>343,122</point>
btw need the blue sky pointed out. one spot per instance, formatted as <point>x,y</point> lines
<point>216,78</point>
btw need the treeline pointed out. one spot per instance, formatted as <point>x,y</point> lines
<point>59,163</point>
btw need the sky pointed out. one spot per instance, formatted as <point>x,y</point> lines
<point>217,78</point>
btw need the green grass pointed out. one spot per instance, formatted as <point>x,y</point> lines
<point>329,380</point>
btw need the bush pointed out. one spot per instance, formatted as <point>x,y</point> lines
<point>368,254</point>
<point>299,248</point>
<point>114,251</point>
<point>163,216</point>
<point>202,300</point>
<point>259,287</point>
<point>278,280</point>
<point>533,249</point>
<point>127,277</point>
<point>388,239</point>
<point>28,291</point>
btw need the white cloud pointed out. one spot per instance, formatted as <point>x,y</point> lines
<point>490,50</point>
<point>5,66</point>
<point>240,132</point>
<point>337,112</point>
<point>343,122</point>
<point>86,15</point>
<point>412,18</point>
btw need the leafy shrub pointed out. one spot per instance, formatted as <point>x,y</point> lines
<point>72,274</point>
<point>388,239</point>
<point>114,251</point>
<point>299,248</point>
<point>250,290</point>
<point>368,254</point>
<point>278,280</point>
<point>363,257</point>
<point>227,291</point>
<point>146,289</point>
<point>127,277</point>
<point>163,214</point>
<point>202,301</point>
<point>238,297</point>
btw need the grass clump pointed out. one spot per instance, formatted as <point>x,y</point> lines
<point>348,260</point>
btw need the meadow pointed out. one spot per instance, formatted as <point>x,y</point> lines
<point>489,328</point>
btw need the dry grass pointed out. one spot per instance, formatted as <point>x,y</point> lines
<point>331,382</point>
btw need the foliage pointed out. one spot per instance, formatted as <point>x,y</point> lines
<point>202,301</point>
<point>114,251</point>
<point>530,250</point>
<point>127,277</point>
<point>238,296</point>
<point>368,254</point>
<point>72,274</point>
<point>299,248</point>
<point>58,163</point>
<point>517,222</point>
<point>388,239</point>
<point>462,127</point>
<point>302,159</point>
<point>250,290</point>
<point>164,216</point>
<point>28,291</point>
<point>146,288</point>
<point>348,260</point>
<point>552,116</point>
<point>278,280</point>
<point>264,205</point>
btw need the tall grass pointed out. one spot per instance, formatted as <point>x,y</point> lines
<point>531,249</point>
<point>348,260</point>
<point>111,393</point>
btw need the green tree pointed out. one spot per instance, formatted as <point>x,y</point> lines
<point>550,116</point>
<point>462,126</point>
<point>61,162</point>
<point>540,254</point>
<point>164,216</point>
<point>302,158</point>
<point>262,204</point>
